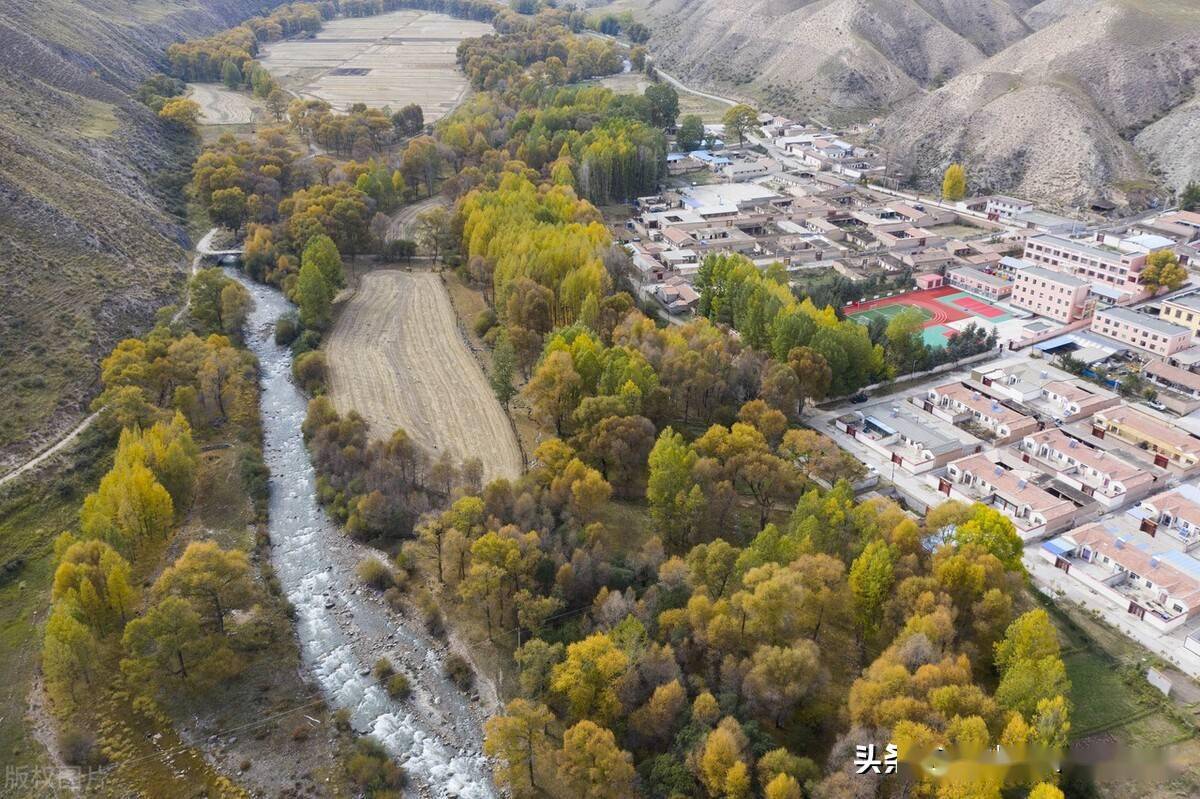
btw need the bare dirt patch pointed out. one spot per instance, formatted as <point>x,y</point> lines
<point>391,59</point>
<point>397,357</point>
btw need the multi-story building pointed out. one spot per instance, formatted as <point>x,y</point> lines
<point>1183,311</point>
<point>958,403</point>
<point>1169,445</point>
<point>1110,480</point>
<point>1034,510</point>
<point>1141,330</point>
<point>1118,266</point>
<point>968,278</point>
<point>1050,293</point>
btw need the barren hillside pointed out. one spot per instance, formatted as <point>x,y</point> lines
<point>1045,99</point>
<point>1055,116</point>
<point>89,248</point>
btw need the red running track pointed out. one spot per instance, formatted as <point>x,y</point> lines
<point>926,299</point>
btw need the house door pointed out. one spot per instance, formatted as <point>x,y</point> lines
<point>1149,526</point>
<point>1025,457</point>
<point>944,486</point>
<point>1161,460</point>
<point>1098,432</point>
<point>1062,563</point>
<point>1137,610</point>
<point>987,381</point>
<point>928,406</point>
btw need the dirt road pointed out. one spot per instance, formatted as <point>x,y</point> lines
<point>397,357</point>
<point>401,226</point>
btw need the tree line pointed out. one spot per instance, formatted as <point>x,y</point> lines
<point>115,631</point>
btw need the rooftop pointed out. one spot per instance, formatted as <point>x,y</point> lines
<point>1173,374</point>
<point>1188,301</point>
<point>1012,487</point>
<point>1151,428</point>
<point>1177,572</point>
<point>1083,248</point>
<point>978,402</point>
<point>1053,276</point>
<point>1104,462</point>
<point>1146,321</point>
<point>971,273</point>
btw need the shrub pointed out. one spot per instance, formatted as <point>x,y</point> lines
<point>372,769</point>
<point>376,574</point>
<point>383,669</point>
<point>398,687</point>
<point>311,371</point>
<point>341,719</point>
<point>458,670</point>
<point>287,327</point>
<point>79,748</point>
<point>306,341</point>
<point>485,320</point>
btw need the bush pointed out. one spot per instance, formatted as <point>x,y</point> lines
<point>485,320</point>
<point>459,671</point>
<point>341,719</point>
<point>79,748</point>
<point>311,371</point>
<point>398,687</point>
<point>287,327</point>
<point>306,341</point>
<point>375,573</point>
<point>372,769</point>
<point>383,669</point>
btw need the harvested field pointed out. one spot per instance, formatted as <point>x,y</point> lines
<point>391,59</point>
<point>397,357</point>
<point>220,106</point>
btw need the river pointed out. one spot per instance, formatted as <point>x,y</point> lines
<point>343,628</point>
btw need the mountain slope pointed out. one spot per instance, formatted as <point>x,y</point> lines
<point>88,246</point>
<point>1053,117</point>
<point>1057,100</point>
<point>839,59</point>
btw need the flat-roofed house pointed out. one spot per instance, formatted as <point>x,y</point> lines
<point>1169,445</point>
<point>968,278</point>
<point>1035,511</point>
<point>957,403</point>
<point>1141,330</point>
<point>1110,480</point>
<point>1155,584</point>
<point>1183,311</point>
<point>907,437</point>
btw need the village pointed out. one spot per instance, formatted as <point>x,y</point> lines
<point>1082,426</point>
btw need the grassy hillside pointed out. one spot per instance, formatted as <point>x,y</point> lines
<point>91,243</point>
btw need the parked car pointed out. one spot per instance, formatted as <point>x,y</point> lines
<point>860,398</point>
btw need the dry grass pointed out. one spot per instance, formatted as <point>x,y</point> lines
<point>396,355</point>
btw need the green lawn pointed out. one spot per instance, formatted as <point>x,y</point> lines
<point>33,512</point>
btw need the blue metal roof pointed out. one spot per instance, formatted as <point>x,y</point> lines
<point>1057,546</point>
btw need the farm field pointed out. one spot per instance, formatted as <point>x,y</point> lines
<point>396,356</point>
<point>220,106</point>
<point>391,59</point>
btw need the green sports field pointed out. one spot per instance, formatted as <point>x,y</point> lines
<point>887,312</point>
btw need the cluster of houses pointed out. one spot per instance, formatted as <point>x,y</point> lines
<point>1102,487</point>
